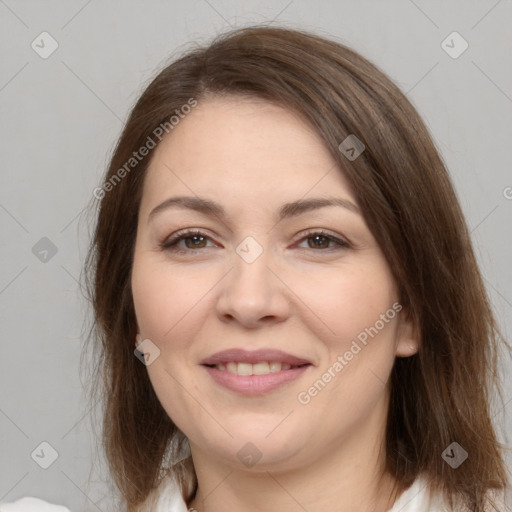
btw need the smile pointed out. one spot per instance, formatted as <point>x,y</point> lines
<point>244,379</point>
<point>254,372</point>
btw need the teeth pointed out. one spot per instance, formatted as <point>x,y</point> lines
<point>231,368</point>
<point>260,368</point>
<point>244,369</point>
<point>275,367</point>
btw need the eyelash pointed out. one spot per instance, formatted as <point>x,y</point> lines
<point>170,243</point>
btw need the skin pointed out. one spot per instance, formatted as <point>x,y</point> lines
<point>305,296</point>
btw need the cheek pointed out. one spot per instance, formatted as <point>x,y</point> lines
<point>345,303</point>
<point>360,308</point>
<point>167,306</point>
<point>356,323</point>
<point>165,299</point>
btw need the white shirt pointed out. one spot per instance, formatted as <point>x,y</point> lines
<point>414,499</point>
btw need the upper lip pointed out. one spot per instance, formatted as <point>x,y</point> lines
<point>253,357</point>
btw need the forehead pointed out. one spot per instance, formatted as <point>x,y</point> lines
<point>236,147</point>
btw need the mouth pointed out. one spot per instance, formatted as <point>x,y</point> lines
<point>254,372</point>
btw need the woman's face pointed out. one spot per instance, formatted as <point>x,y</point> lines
<point>272,333</point>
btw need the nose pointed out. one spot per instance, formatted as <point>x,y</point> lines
<point>252,293</point>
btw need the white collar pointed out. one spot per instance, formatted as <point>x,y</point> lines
<point>414,499</point>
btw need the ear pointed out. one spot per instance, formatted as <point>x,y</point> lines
<point>408,336</point>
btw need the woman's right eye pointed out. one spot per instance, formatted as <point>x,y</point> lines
<point>197,240</point>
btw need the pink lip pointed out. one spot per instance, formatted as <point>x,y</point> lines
<point>254,384</point>
<point>253,357</point>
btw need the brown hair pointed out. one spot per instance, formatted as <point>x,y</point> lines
<point>438,396</point>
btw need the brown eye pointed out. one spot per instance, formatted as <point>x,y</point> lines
<point>197,242</point>
<point>321,240</point>
<point>192,241</point>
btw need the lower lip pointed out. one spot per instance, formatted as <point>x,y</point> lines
<point>255,384</point>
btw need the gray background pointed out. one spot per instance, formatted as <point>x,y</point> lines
<point>60,118</point>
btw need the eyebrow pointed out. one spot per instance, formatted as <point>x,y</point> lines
<point>287,210</point>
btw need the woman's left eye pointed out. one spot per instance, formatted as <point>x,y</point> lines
<point>321,240</point>
<point>197,240</point>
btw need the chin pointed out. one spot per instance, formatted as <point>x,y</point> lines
<point>257,449</point>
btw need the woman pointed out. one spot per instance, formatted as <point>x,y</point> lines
<point>288,310</point>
